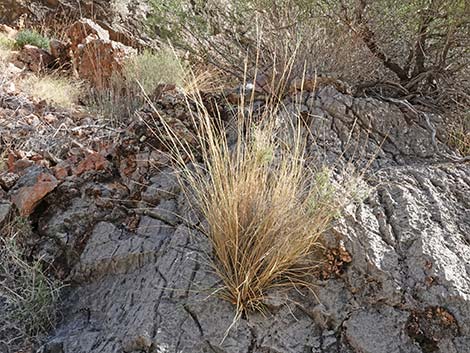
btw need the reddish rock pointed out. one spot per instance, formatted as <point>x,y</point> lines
<point>93,161</point>
<point>34,187</point>
<point>62,170</point>
<point>34,58</point>
<point>11,161</point>
<point>83,28</point>
<point>100,59</point>
<point>95,57</point>
<point>23,163</point>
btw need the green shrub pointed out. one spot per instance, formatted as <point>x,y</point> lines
<point>31,37</point>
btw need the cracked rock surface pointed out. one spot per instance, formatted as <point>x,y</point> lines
<point>149,288</point>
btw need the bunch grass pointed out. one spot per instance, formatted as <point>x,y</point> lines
<point>265,204</point>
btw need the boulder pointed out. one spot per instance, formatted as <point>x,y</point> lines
<point>399,282</point>
<point>81,29</point>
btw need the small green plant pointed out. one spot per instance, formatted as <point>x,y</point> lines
<point>31,37</point>
<point>6,43</point>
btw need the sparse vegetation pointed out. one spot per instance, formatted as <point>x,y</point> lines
<point>153,69</point>
<point>145,71</point>
<point>31,37</point>
<point>416,50</point>
<point>459,134</point>
<point>29,296</point>
<point>421,45</point>
<point>6,43</point>
<point>54,89</point>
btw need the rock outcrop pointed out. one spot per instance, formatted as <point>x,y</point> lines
<point>141,280</point>
<point>124,19</point>
<point>95,57</point>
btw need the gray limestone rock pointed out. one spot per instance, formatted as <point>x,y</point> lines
<point>406,290</point>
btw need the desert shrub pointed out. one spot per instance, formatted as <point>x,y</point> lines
<point>419,43</point>
<point>57,90</point>
<point>31,37</point>
<point>415,50</point>
<point>141,75</point>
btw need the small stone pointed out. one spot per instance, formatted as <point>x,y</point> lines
<point>7,180</point>
<point>94,161</point>
<point>31,189</point>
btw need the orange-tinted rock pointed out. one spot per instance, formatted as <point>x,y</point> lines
<point>83,28</point>
<point>62,170</point>
<point>95,57</point>
<point>23,163</point>
<point>93,161</point>
<point>35,188</point>
<point>34,58</point>
<point>100,59</point>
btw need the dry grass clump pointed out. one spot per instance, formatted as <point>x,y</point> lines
<point>6,46</point>
<point>27,296</point>
<point>6,43</point>
<point>152,69</point>
<point>57,90</point>
<point>265,205</point>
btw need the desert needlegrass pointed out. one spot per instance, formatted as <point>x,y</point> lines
<point>265,205</point>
